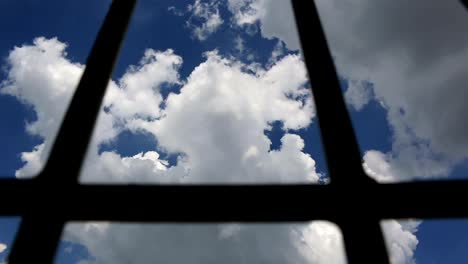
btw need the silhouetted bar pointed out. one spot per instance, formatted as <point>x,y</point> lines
<point>39,232</point>
<point>341,149</point>
<point>264,203</point>
<point>55,197</point>
<point>72,140</point>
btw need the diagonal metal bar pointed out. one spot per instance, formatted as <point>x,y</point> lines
<point>38,228</point>
<point>77,126</point>
<point>341,148</point>
<point>340,202</point>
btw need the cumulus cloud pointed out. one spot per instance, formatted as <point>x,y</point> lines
<point>377,165</point>
<point>175,11</point>
<point>216,123</point>
<point>226,110</point>
<point>220,115</point>
<point>205,18</point>
<point>129,99</point>
<point>358,94</point>
<point>401,240</point>
<point>239,44</point>
<point>267,13</point>
<point>223,104</point>
<point>417,67</point>
<point>3,247</point>
<point>41,77</point>
<point>318,242</point>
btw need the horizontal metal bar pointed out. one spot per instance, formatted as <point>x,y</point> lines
<point>275,203</point>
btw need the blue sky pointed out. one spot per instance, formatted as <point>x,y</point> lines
<point>392,147</point>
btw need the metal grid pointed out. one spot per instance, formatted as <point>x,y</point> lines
<point>352,200</point>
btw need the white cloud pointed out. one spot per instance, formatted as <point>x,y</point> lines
<point>318,242</point>
<point>223,106</point>
<point>3,247</point>
<point>419,75</point>
<point>377,165</point>
<point>401,240</point>
<point>400,237</point>
<point>205,18</point>
<point>129,100</point>
<point>40,76</point>
<point>276,18</point>
<point>217,121</point>
<point>417,65</point>
<point>34,161</point>
<point>358,94</point>
<point>278,51</point>
<point>239,44</point>
<point>175,11</point>
<point>225,110</point>
<point>38,70</point>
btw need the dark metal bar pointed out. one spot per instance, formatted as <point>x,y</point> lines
<point>264,203</point>
<point>39,233</point>
<point>352,200</point>
<point>37,239</point>
<point>341,149</point>
<point>78,124</point>
<point>360,232</point>
<point>464,3</point>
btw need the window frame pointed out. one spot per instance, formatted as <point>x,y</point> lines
<point>352,200</point>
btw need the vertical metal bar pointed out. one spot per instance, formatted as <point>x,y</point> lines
<point>39,235</point>
<point>363,239</point>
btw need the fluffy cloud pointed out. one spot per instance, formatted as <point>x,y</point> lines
<point>205,18</point>
<point>224,105</point>
<point>377,165</point>
<point>417,65</point>
<point>3,247</point>
<point>319,242</point>
<point>418,71</point>
<point>220,115</point>
<point>267,13</point>
<point>216,122</point>
<point>400,240</point>
<point>407,64</point>
<point>358,94</point>
<point>41,77</point>
<point>129,100</point>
